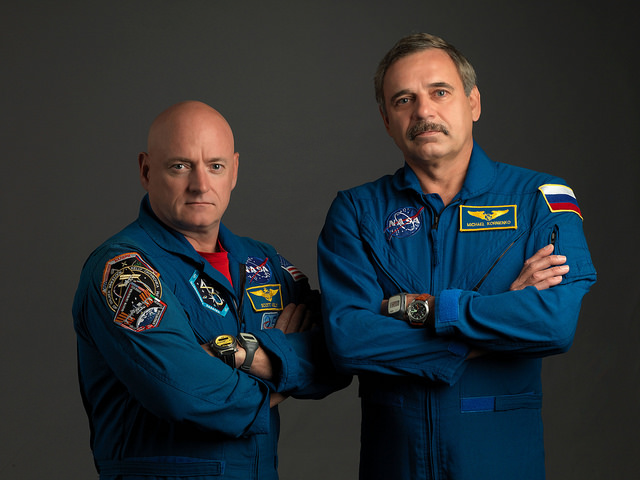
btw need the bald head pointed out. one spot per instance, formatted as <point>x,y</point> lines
<point>189,170</point>
<point>183,121</point>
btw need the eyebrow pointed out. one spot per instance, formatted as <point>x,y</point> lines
<point>431,85</point>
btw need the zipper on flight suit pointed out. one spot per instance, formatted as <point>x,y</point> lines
<point>431,406</point>
<point>240,306</point>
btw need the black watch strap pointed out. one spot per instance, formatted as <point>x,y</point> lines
<point>250,344</point>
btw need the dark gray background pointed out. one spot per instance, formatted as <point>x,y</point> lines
<point>81,81</point>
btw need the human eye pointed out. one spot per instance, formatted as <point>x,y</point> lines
<point>399,102</point>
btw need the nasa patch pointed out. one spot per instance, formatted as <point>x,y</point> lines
<point>209,296</point>
<point>258,270</point>
<point>403,223</point>
<point>139,310</point>
<point>121,271</point>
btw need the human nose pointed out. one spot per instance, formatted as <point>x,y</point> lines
<point>198,181</point>
<point>423,107</point>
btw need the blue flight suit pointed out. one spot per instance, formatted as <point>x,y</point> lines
<point>159,406</point>
<point>427,412</point>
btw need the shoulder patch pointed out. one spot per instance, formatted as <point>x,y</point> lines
<point>123,270</point>
<point>560,198</point>
<point>139,310</point>
<point>403,222</point>
<point>496,217</point>
<point>292,270</point>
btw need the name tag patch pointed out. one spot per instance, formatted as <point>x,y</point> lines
<point>265,297</point>
<point>497,217</point>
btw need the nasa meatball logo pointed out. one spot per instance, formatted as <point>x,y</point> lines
<point>403,223</point>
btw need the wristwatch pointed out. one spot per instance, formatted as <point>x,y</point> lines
<point>225,348</point>
<point>418,311</point>
<point>250,344</point>
<point>397,306</point>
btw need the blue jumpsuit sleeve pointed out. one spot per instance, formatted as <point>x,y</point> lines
<point>302,364</point>
<point>164,368</point>
<point>359,338</point>
<point>526,321</point>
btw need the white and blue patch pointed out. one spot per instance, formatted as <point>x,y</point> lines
<point>258,270</point>
<point>209,296</point>
<point>269,320</point>
<point>403,223</point>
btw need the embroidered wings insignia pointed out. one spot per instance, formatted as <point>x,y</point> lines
<point>267,293</point>
<point>488,216</point>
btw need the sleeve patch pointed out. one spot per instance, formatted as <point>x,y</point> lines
<point>560,198</point>
<point>295,273</point>
<point>139,310</point>
<point>123,270</point>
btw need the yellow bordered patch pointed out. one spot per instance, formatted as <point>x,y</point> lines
<point>497,217</point>
<point>265,297</point>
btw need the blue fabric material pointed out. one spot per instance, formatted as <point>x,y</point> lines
<point>387,237</point>
<point>157,402</point>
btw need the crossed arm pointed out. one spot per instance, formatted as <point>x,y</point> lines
<point>294,318</point>
<point>542,270</point>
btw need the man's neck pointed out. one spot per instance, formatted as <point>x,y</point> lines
<point>445,179</point>
<point>444,176</point>
<point>203,243</point>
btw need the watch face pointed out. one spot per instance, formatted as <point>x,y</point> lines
<point>224,341</point>
<point>417,311</point>
<point>395,303</point>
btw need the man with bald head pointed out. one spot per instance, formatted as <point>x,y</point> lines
<point>189,336</point>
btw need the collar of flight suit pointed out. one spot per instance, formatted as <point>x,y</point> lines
<point>480,177</point>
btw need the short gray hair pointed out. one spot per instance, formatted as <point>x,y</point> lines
<point>416,43</point>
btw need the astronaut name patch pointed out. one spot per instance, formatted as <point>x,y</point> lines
<point>403,222</point>
<point>209,296</point>
<point>139,310</point>
<point>560,198</point>
<point>497,217</point>
<point>265,297</point>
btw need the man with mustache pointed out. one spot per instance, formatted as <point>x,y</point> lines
<point>450,368</point>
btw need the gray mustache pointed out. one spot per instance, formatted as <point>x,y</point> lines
<point>423,126</point>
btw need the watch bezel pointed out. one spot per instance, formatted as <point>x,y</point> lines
<point>422,319</point>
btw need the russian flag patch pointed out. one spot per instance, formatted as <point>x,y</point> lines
<point>560,198</point>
